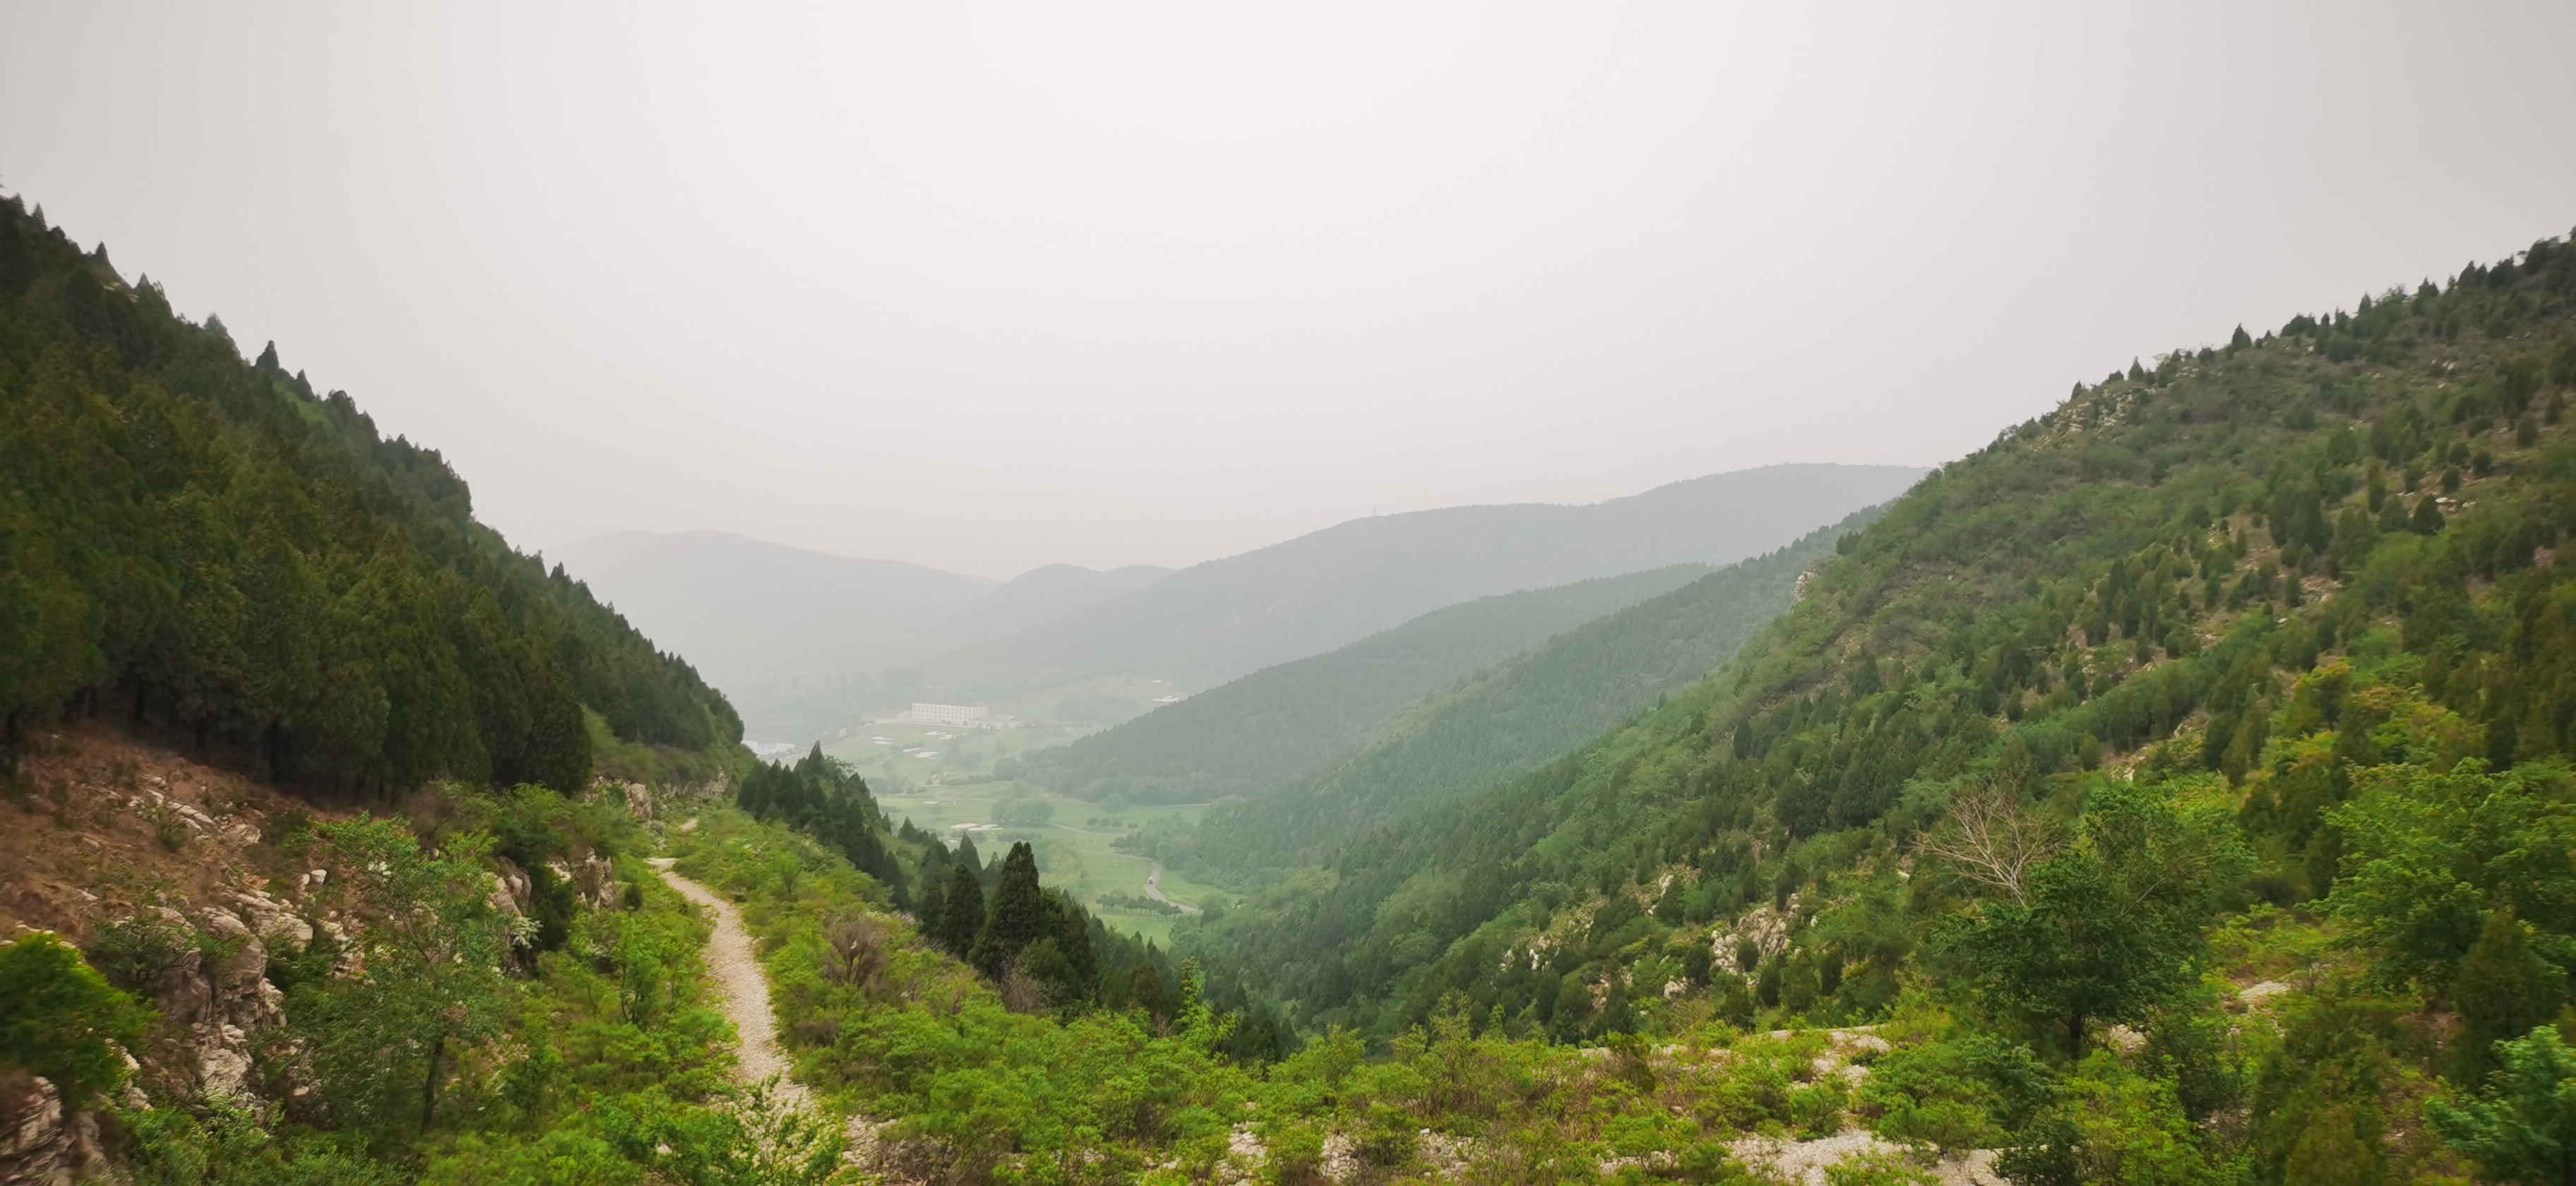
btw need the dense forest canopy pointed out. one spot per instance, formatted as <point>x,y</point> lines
<point>206,543</point>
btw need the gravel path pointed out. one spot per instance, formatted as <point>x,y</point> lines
<point>735,966</point>
<point>1154,890</point>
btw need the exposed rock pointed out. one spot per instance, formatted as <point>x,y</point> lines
<point>243,995</point>
<point>2256,994</point>
<point>275,925</point>
<point>38,1143</point>
<point>512,892</point>
<point>1341,1160</point>
<point>223,1061</point>
<point>1766,926</point>
<point>595,879</point>
<point>1858,1040</point>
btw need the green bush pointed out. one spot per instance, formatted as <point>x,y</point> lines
<point>60,1019</point>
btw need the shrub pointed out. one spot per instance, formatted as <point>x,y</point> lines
<point>61,1019</point>
<point>134,953</point>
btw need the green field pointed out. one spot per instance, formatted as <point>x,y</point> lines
<point>1073,847</point>
<point>899,756</point>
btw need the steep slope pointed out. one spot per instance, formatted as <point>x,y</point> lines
<point>1516,717</point>
<point>754,611</point>
<point>206,544</point>
<point>1254,733</point>
<point>1042,595</point>
<point>2253,580</point>
<point>1215,621</point>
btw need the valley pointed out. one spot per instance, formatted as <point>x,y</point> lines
<point>2175,790</point>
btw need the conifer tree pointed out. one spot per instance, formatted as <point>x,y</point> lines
<point>961,916</point>
<point>1017,917</point>
<point>2502,990</point>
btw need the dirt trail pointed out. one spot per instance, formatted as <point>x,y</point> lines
<point>735,966</point>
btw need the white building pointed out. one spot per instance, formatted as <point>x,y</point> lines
<point>962,716</point>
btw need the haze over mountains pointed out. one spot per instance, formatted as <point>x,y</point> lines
<point>800,638</point>
<point>1250,734</point>
<point>748,611</point>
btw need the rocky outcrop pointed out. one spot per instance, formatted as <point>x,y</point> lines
<point>38,1142</point>
<point>593,879</point>
<point>217,987</point>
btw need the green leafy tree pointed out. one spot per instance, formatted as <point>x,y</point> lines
<point>429,946</point>
<point>2522,1127</point>
<point>2109,927</point>
<point>60,1019</point>
<point>2428,857</point>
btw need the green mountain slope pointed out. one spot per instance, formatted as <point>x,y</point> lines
<point>2253,581</point>
<point>205,544</point>
<point>1253,734</point>
<point>1516,717</point>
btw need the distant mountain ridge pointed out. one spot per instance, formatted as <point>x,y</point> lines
<point>1042,595</point>
<point>751,611</point>
<point>806,642</point>
<point>1213,622</point>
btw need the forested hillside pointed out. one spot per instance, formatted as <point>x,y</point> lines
<point>207,545</point>
<point>1512,719</point>
<point>2254,662</point>
<point>1253,734</point>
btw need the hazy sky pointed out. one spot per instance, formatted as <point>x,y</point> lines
<point>992,286</point>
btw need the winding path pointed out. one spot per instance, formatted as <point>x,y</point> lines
<point>734,963</point>
<point>1154,890</point>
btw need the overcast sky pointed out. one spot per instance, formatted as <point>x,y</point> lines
<point>988,287</point>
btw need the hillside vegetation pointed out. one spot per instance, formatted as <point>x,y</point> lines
<point>1511,719</point>
<point>2254,662</point>
<point>208,545</point>
<point>2175,792</point>
<point>1251,735</point>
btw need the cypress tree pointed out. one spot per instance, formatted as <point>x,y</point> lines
<point>961,916</point>
<point>2428,516</point>
<point>2502,990</point>
<point>1017,917</point>
<point>930,902</point>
